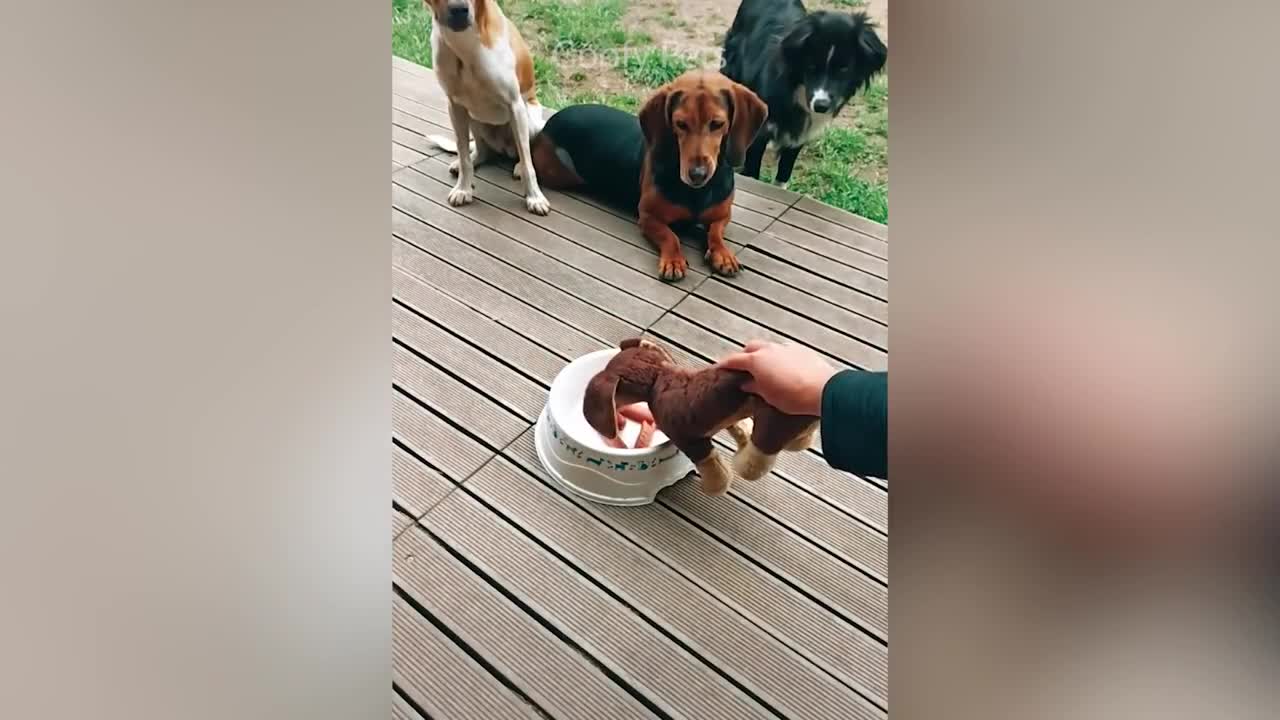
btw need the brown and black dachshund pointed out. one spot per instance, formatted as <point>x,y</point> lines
<point>674,163</point>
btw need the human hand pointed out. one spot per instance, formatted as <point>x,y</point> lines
<point>788,377</point>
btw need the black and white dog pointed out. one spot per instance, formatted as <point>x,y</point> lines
<point>806,66</point>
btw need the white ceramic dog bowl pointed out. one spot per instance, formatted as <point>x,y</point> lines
<point>577,457</point>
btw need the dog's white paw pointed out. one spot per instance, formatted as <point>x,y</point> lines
<point>516,174</point>
<point>455,166</point>
<point>459,196</point>
<point>537,204</point>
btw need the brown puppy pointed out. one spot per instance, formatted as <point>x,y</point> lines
<point>691,406</point>
<point>697,129</point>
<point>674,163</point>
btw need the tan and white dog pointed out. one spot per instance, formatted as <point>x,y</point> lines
<point>486,71</point>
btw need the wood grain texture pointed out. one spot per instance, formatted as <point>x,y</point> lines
<point>440,676</point>
<point>670,675</point>
<point>847,219</point>
<point>482,290</point>
<point>756,659</point>
<point>416,487</point>
<point>804,626</point>
<point>555,675</point>
<point>514,597</point>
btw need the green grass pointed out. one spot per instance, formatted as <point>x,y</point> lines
<point>584,25</point>
<point>827,171</point>
<point>846,167</point>
<point>411,31</point>
<point>652,68</point>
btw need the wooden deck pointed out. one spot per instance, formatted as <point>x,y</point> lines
<point>515,600</point>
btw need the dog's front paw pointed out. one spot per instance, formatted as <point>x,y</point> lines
<point>517,173</point>
<point>672,267</point>
<point>455,166</point>
<point>537,204</point>
<point>715,476</point>
<point>723,261</point>
<point>460,196</point>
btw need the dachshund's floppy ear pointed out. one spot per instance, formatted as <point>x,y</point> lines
<point>747,112</point>
<point>598,405</point>
<point>655,116</point>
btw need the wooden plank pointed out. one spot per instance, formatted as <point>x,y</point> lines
<point>450,398</point>
<point>815,285</point>
<point>420,127</point>
<point>706,344</point>
<point>401,710</point>
<point>763,189</point>
<point>872,285</point>
<point>837,232</point>
<point>402,155</point>
<point>821,523</point>
<point>413,141</point>
<point>505,212</point>
<point>634,252</point>
<point>540,292</point>
<point>747,217</point>
<point>550,672</point>
<point>507,387</point>
<point>831,250</point>
<point>851,351</point>
<point>856,496</point>
<point>736,328</point>
<point>612,309</point>
<point>659,669</point>
<point>423,119</point>
<point>819,574</point>
<point>804,626</point>
<point>399,521</point>
<point>441,678</point>
<point>434,440</point>
<point>737,647</point>
<point>829,314</point>
<point>400,63</point>
<point>416,487</point>
<point>847,219</point>
<point>759,203</point>
<point>425,90</point>
<point>478,288</point>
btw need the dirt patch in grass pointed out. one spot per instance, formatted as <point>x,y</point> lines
<point>616,51</point>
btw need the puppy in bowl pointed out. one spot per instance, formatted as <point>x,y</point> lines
<point>805,66</point>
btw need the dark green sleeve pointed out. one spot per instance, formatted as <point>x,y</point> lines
<point>855,422</point>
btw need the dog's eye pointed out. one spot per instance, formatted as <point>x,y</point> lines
<point>716,124</point>
<point>682,125</point>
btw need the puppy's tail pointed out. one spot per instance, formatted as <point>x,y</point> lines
<point>446,144</point>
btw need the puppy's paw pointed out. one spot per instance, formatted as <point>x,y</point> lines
<point>455,166</point>
<point>804,440</point>
<point>723,261</point>
<point>751,464</point>
<point>537,204</point>
<point>741,432</point>
<point>460,196</point>
<point>517,173</point>
<point>715,476</point>
<point>672,267</point>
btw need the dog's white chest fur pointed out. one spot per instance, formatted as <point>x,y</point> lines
<point>481,79</point>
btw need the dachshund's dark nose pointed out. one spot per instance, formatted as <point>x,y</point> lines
<point>821,104</point>
<point>698,174</point>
